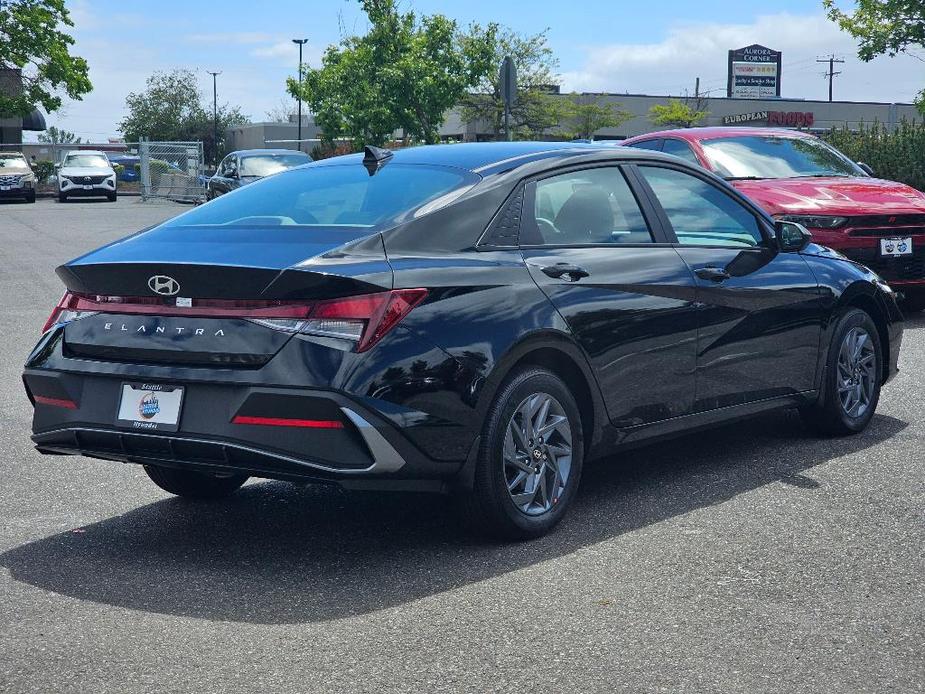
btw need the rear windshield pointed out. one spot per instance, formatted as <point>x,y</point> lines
<point>266,164</point>
<point>756,156</point>
<point>330,196</point>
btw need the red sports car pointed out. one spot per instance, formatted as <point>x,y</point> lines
<point>798,177</point>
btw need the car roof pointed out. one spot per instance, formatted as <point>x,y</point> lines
<point>254,152</point>
<point>715,132</point>
<point>495,157</point>
<point>85,151</point>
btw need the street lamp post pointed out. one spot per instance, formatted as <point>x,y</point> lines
<point>214,114</point>
<point>301,43</point>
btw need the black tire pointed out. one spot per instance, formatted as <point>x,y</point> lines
<point>489,508</point>
<point>828,415</point>
<point>111,197</point>
<point>194,485</point>
<point>62,197</point>
<point>30,196</point>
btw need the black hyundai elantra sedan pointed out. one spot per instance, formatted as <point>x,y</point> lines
<point>477,319</point>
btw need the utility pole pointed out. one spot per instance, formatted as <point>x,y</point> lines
<point>301,43</point>
<point>831,60</point>
<point>697,89</point>
<point>214,114</point>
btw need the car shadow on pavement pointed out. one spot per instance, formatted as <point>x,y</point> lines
<point>275,553</point>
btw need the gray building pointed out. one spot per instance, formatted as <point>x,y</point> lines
<point>802,113</point>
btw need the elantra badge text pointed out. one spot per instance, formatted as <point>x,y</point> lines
<point>163,285</point>
<point>161,330</point>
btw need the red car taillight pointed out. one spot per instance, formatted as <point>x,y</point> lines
<point>364,319</point>
<point>66,311</point>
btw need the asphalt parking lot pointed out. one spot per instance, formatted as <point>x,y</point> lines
<point>751,559</point>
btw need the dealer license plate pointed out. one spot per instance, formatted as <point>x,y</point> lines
<point>88,187</point>
<point>150,406</point>
<point>6,187</point>
<point>896,246</point>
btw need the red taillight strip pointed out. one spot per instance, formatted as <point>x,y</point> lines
<point>201,308</point>
<point>56,402</point>
<point>286,422</point>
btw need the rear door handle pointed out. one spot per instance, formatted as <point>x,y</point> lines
<point>571,273</point>
<point>714,274</point>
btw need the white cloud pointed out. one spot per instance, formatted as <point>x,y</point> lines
<point>693,50</point>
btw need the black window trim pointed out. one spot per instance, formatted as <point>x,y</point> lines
<point>659,237</point>
<point>764,228</point>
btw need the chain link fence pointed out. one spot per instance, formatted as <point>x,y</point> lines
<point>155,170</point>
<point>172,171</point>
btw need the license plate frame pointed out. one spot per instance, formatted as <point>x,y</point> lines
<point>88,187</point>
<point>150,406</point>
<point>896,247</point>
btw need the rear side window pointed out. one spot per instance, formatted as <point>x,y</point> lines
<point>700,213</point>
<point>592,206</point>
<point>679,148</point>
<point>332,195</point>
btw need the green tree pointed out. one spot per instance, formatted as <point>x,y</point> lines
<point>58,137</point>
<point>677,114</point>
<point>405,72</point>
<point>587,114</point>
<point>31,40</point>
<point>883,26</point>
<point>171,109</point>
<point>536,110</point>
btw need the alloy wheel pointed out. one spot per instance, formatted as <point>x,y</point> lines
<point>537,454</point>
<point>857,372</point>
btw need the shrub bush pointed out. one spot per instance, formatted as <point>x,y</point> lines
<point>43,170</point>
<point>897,155</point>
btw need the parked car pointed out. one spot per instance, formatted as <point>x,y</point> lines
<point>796,176</point>
<point>17,179</point>
<point>128,162</point>
<point>86,173</point>
<point>477,319</point>
<point>249,165</point>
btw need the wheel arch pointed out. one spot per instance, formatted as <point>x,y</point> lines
<point>558,354</point>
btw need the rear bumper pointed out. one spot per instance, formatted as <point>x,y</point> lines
<point>76,414</point>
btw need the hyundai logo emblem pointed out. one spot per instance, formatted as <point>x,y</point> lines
<point>164,285</point>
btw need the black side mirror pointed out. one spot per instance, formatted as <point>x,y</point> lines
<point>792,237</point>
<point>865,168</point>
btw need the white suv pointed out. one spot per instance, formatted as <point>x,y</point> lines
<point>16,178</point>
<point>87,173</point>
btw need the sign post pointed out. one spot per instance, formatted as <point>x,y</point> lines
<point>508,79</point>
<point>754,73</point>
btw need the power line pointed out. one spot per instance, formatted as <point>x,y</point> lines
<point>831,60</point>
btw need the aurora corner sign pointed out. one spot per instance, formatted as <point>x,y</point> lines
<point>754,73</point>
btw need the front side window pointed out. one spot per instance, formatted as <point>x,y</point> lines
<point>93,161</point>
<point>700,213</point>
<point>593,206</point>
<point>648,144</point>
<point>224,169</point>
<point>330,196</point>
<point>679,148</point>
<point>769,156</point>
<point>267,164</point>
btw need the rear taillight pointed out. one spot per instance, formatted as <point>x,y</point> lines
<point>364,319</point>
<point>66,311</point>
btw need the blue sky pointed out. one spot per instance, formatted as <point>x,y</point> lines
<point>617,46</point>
